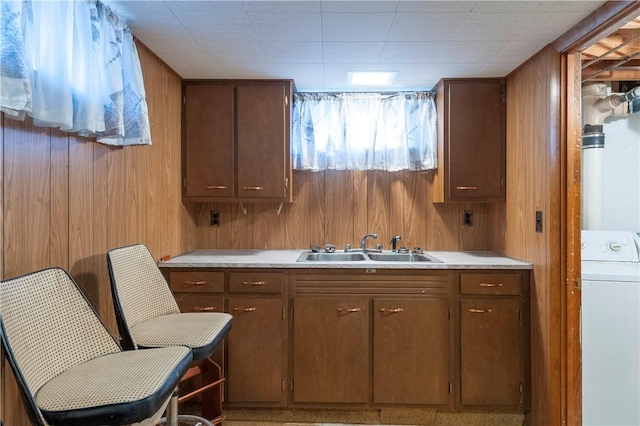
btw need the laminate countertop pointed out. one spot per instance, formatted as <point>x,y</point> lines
<point>287,259</point>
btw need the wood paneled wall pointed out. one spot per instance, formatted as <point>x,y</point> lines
<point>534,183</point>
<point>340,207</point>
<point>67,200</point>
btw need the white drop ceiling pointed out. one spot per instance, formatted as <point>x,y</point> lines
<point>316,43</point>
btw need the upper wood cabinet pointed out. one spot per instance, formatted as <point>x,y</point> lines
<point>236,140</point>
<point>471,140</point>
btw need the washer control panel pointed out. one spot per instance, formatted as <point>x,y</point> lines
<point>610,246</point>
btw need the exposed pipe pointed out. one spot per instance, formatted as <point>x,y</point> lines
<point>597,106</point>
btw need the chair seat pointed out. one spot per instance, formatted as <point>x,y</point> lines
<point>118,388</point>
<point>200,331</point>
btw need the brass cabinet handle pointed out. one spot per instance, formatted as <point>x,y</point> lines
<point>392,310</point>
<point>480,311</point>
<point>253,188</point>
<point>216,186</point>
<point>204,309</point>
<point>196,282</point>
<point>251,309</point>
<point>348,309</point>
<point>490,284</point>
<point>254,283</point>
<point>467,188</point>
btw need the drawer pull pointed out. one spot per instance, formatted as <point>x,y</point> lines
<point>254,283</point>
<point>490,284</point>
<point>348,309</point>
<point>203,282</point>
<point>392,310</point>
<point>251,309</point>
<point>253,188</point>
<point>480,311</point>
<point>467,188</point>
<point>204,308</point>
<point>216,186</point>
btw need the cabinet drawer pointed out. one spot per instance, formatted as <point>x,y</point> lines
<point>196,282</point>
<point>189,302</point>
<point>255,282</point>
<point>492,283</point>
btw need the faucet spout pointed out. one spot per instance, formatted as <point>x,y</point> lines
<point>363,242</point>
<point>394,242</point>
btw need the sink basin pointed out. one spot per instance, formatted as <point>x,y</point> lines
<point>331,257</point>
<point>401,257</point>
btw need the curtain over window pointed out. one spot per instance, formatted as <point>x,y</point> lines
<point>72,65</point>
<point>364,131</point>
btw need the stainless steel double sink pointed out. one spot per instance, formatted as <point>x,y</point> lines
<point>308,256</point>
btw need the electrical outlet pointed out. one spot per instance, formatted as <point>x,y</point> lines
<point>214,218</point>
<point>467,218</point>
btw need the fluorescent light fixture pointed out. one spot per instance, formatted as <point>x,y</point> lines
<point>371,78</point>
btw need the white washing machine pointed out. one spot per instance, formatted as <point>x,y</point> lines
<point>610,328</point>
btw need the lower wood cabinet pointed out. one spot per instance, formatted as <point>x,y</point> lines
<point>443,339</point>
<point>255,348</point>
<point>369,338</point>
<point>331,350</point>
<point>411,352</point>
<point>492,344</point>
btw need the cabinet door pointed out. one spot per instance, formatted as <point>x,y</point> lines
<point>330,350</point>
<point>491,359</point>
<point>255,354</point>
<point>475,137</point>
<point>262,141</point>
<point>209,145</point>
<point>411,351</point>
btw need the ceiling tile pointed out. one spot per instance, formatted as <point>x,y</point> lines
<point>219,28</point>
<point>493,26</point>
<point>436,6</point>
<point>356,26</point>
<point>281,6</point>
<point>411,52</point>
<point>204,8</point>
<point>499,7</point>
<point>404,71</point>
<point>297,71</point>
<point>359,6</point>
<point>287,26</point>
<point>351,52</point>
<point>231,52</point>
<point>338,72</point>
<point>470,52</point>
<point>425,26</point>
<point>289,52</point>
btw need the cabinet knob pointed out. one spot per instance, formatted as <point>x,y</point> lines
<point>479,311</point>
<point>195,282</point>
<point>216,186</point>
<point>254,283</point>
<point>253,188</point>
<point>392,310</point>
<point>467,188</point>
<point>348,309</point>
<point>204,309</point>
<point>490,284</point>
<point>251,309</point>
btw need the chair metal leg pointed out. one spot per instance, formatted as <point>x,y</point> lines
<point>172,410</point>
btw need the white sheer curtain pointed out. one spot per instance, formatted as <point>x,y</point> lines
<point>72,65</point>
<point>364,131</point>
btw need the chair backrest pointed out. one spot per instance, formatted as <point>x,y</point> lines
<point>48,326</point>
<point>139,290</point>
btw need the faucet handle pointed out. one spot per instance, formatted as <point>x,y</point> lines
<point>347,247</point>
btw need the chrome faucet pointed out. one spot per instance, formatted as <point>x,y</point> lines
<point>394,242</point>
<point>363,242</point>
